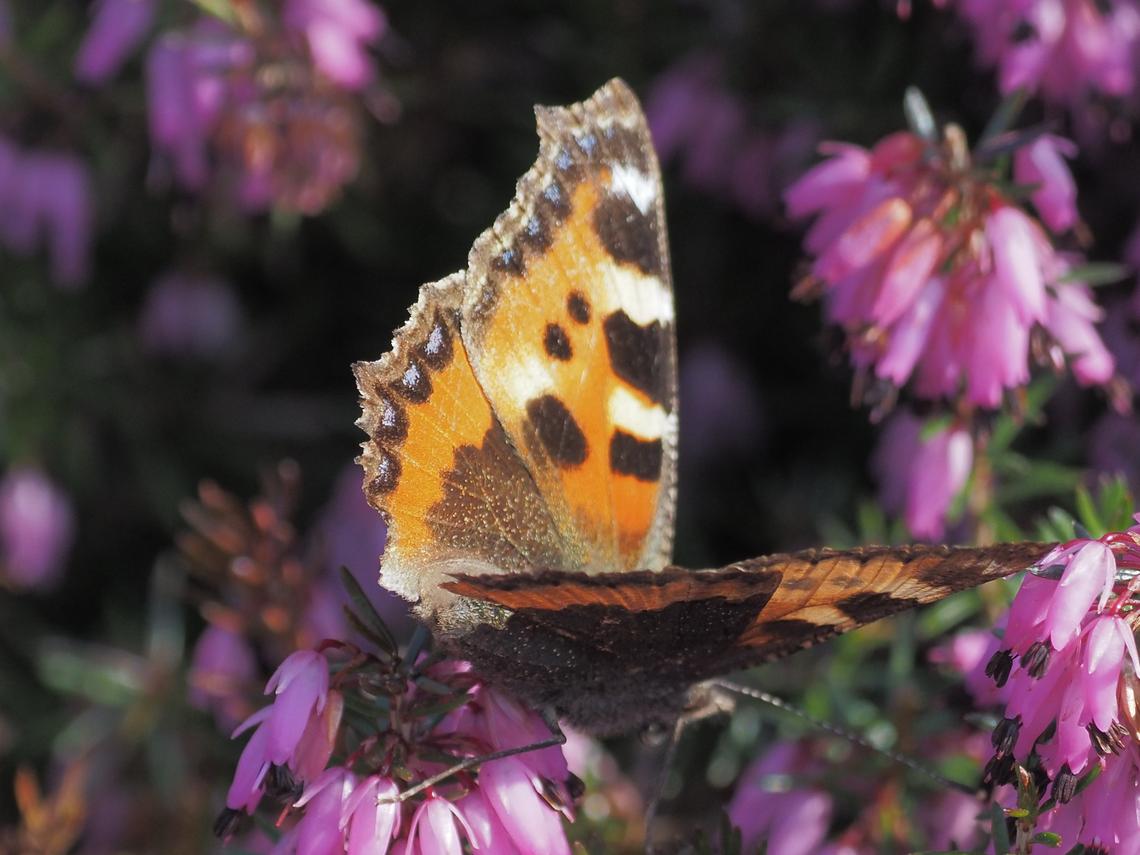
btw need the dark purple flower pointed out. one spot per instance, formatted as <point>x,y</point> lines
<point>187,315</point>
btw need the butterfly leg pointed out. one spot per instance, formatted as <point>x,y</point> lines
<point>901,759</point>
<point>557,737</point>
<point>705,701</point>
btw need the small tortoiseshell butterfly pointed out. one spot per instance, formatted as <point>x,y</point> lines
<point>523,449</point>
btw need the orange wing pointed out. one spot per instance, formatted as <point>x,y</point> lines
<point>437,463</point>
<point>526,414</point>
<point>569,323</point>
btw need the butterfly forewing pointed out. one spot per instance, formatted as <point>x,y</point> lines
<point>569,323</point>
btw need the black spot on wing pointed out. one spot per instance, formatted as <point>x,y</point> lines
<point>578,307</point>
<point>629,235</point>
<point>557,430</point>
<point>638,354</point>
<point>637,457</point>
<point>556,343</point>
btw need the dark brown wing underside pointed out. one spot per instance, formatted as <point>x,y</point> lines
<point>792,600</point>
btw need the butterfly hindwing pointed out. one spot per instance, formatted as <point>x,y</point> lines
<point>569,323</point>
<point>777,603</point>
<point>437,463</point>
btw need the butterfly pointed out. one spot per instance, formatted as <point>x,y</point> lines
<point>522,446</point>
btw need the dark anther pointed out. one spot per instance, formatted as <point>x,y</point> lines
<point>1065,785</point>
<point>227,823</point>
<point>999,666</point>
<point>999,770</point>
<point>1107,743</point>
<point>1036,659</point>
<point>576,787</point>
<point>1023,31</point>
<point>1004,736</point>
<point>281,784</point>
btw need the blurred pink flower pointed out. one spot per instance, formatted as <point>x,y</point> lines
<point>222,668</point>
<point>920,476</point>
<point>338,32</point>
<point>936,277</point>
<point>1063,49</point>
<point>768,806</point>
<point>289,138</point>
<point>37,525</point>
<point>349,533</point>
<point>699,123</point>
<point>188,315</point>
<point>722,413</point>
<point>1042,163</point>
<point>117,28</point>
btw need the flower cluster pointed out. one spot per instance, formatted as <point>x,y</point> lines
<point>1066,669</point>
<point>1063,49</point>
<point>269,588</point>
<point>510,804</point>
<point>938,276</point>
<point>259,102</point>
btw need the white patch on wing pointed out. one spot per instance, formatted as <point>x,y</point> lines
<point>628,412</point>
<point>528,378</point>
<point>641,188</point>
<point>644,298</point>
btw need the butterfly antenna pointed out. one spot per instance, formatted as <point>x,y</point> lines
<point>851,736</point>
<point>663,778</point>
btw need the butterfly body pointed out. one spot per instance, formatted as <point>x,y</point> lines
<point>523,443</point>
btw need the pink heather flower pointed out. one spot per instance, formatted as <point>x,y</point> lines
<point>37,525</point>
<point>190,316</point>
<point>253,764</point>
<point>435,829</point>
<point>370,824</point>
<point>921,477</point>
<point>488,833</point>
<point>967,653</point>
<point>298,730</point>
<point>117,28</point>
<point>338,32</point>
<point>1077,657</point>
<point>766,807</point>
<point>221,668</point>
<point>1042,163</point>
<point>513,791</point>
<point>301,684</point>
<point>1062,49</point>
<point>321,831</point>
<point>510,725</point>
<point>937,277</point>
